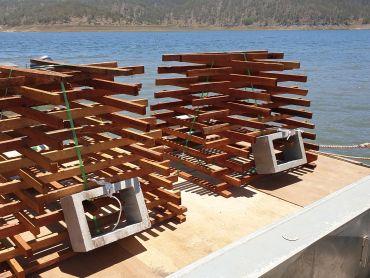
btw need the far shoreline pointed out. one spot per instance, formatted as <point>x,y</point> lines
<point>159,28</point>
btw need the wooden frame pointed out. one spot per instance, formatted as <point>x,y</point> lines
<point>38,155</point>
<point>225,101</point>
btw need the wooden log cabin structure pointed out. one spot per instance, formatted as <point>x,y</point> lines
<point>220,104</point>
<point>62,126</point>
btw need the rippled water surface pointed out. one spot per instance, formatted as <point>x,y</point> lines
<point>336,62</point>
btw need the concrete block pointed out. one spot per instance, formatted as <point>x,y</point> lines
<point>134,208</point>
<point>293,152</point>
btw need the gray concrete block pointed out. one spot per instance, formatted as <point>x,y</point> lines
<point>134,208</point>
<point>293,152</point>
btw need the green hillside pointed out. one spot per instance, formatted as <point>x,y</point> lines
<point>184,12</point>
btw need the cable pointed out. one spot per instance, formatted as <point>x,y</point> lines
<point>120,211</point>
<point>358,146</point>
<point>74,134</point>
<point>110,191</point>
<point>348,156</point>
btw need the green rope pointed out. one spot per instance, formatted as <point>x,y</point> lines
<point>195,117</point>
<point>197,112</point>
<point>249,73</point>
<point>253,90</point>
<point>75,139</point>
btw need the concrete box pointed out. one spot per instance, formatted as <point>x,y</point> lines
<point>293,152</point>
<point>133,205</point>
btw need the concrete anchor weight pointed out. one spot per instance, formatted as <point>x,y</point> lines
<point>133,205</point>
<point>293,152</point>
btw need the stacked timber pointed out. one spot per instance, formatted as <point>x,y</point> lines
<point>62,127</point>
<point>223,102</point>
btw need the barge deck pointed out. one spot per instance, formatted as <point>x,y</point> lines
<point>213,222</point>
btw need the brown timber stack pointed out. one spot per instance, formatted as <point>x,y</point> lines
<point>224,102</point>
<point>38,158</point>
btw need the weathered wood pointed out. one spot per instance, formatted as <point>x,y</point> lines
<point>8,102</point>
<point>236,97</point>
<point>42,144</point>
<point>10,82</point>
<point>88,69</point>
<point>34,77</point>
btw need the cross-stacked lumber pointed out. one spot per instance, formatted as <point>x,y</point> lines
<point>222,102</point>
<point>39,159</point>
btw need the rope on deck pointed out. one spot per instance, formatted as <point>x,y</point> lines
<point>349,156</point>
<point>358,146</point>
<point>343,147</point>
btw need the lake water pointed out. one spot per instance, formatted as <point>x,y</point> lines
<point>336,62</point>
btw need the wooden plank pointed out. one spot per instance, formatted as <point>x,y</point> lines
<point>27,223</point>
<point>186,136</point>
<point>111,64</point>
<point>168,105</point>
<point>10,82</point>
<point>22,244</point>
<point>68,153</point>
<point>40,95</point>
<point>245,66</point>
<point>244,122</point>
<point>39,159</point>
<point>126,121</point>
<point>211,100</point>
<point>243,94</point>
<point>116,87</point>
<point>135,69</point>
<point>198,58</point>
<point>283,77</point>
<point>291,101</point>
<point>122,104</point>
<point>32,181</point>
<point>89,168</point>
<point>153,166</point>
<point>288,65</point>
<point>239,136</point>
<point>10,101</point>
<point>245,108</point>
<point>14,123</point>
<point>297,123</point>
<point>49,217</point>
<point>35,76</point>
<point>209,72</point>
<point>41,137</point>
<point>11,144</point>
<point>17,268</point>
<point>213,115</point>
<point>37,244</point>
<point>11,186</point>
<point>210,86</point>
<point>28,200</point>
<point>215,129</point>
<point>144,152</point>
<point>87,69</point>
<point>253,80</point>
<point>179,69</point>
<point>283,90</point>
<point>173,93</point>
<point>180,82</point>
<point>50,260</point>
<point>40,117</point>
<point>294,112</point>
<point>217,142</point>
